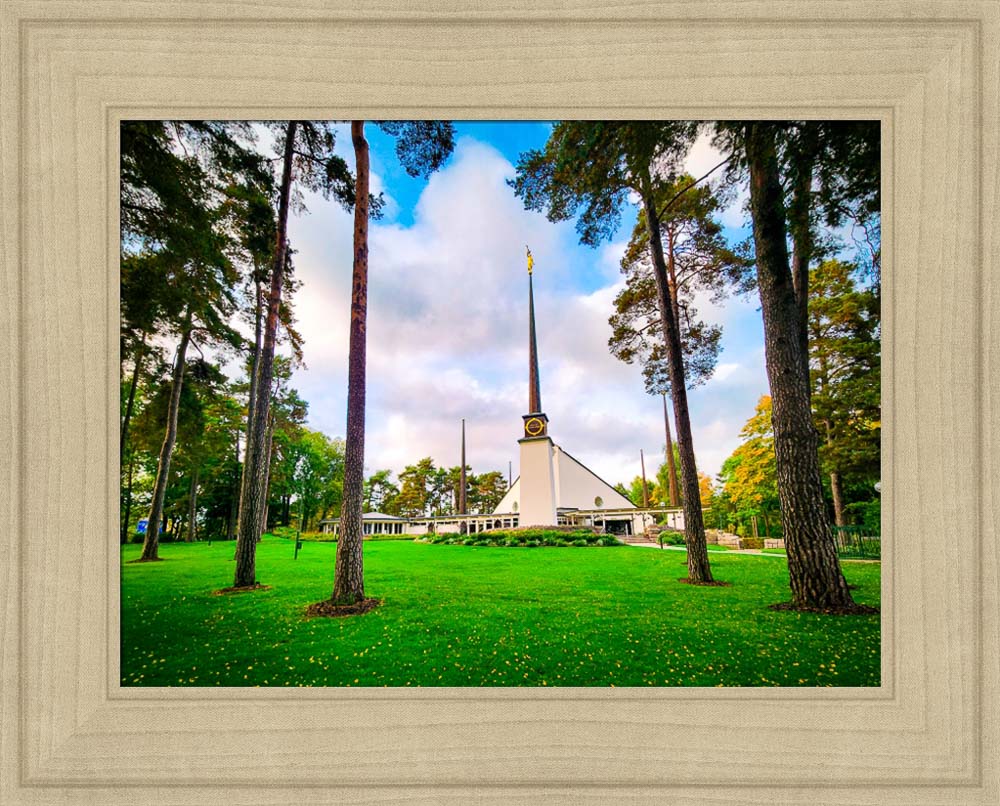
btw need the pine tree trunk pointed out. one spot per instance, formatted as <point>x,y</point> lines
<point>245,476</point>
<point>836,482</point>
<point>814,568</point>
<point>254,492</point>
<point>128,497</point>
<point>699,569</point>
<point>837,490</point>
<point>151,543</point>
<point>349,579</point>
<point>235,500</point>
<point>140,354</point>
<point>267,475</point>
<point>192,532</point>
<point>800,229</point>
<point>671,464</point>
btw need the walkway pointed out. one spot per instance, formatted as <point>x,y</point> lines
<point>755,552</point>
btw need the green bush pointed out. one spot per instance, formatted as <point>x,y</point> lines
<point>751,542</point>
<point>513,538</point>
<point>867,514</point>
<point>671,537</point>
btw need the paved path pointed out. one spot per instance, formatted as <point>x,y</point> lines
<point>755,552</point>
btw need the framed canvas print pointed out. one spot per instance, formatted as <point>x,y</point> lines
<point>136,132</point>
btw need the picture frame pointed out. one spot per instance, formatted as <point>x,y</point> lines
<point>70,71</point>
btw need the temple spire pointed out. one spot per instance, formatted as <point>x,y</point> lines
<point>534,386</point>
<point>535,421</point>
<point>462,504</point>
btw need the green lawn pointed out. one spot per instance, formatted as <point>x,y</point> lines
<point>472,616</point>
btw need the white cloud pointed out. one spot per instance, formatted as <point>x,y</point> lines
<point>447,334</point>
<point>701,159</point>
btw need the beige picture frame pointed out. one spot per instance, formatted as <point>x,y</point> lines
<point>928,69</point>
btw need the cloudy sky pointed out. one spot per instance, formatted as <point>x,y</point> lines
<point>447,321</point>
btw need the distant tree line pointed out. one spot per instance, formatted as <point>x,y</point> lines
<point>424,490</point>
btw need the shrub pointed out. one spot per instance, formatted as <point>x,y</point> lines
<point>751,542</point>
<point>867,514</point>
<point>529,537</point>
<point>671,537</point>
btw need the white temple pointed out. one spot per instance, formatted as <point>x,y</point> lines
<point>553,489</point>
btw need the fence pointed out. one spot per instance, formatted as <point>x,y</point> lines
<point>857,541</point>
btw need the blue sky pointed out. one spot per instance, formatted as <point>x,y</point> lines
<point>447,327</point>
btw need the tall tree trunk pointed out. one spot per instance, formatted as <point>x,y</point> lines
<point>192,532</point>
<point>837,490</point>
<point>800,228</point>
<point>672,278</point>
<point>645,486</point>
<point>267,474</point>
<point>235,500</point>
<point>836,482</point>
<point>254,492</point>
<point>699,569</point>
<point>255,363</point>
<point>349,577</point>
<point>814,569</point>
<point>245,475</point>
<point>140,354</point>
<point>671,465</point>
<point>128,497</point>
<point>152,541</point>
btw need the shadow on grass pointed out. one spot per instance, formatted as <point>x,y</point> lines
<point>330,609</point>
<point>242,589</point>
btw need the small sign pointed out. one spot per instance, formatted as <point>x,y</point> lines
<point>140,527</point>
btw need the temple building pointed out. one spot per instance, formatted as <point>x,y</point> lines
<point>553,488</point>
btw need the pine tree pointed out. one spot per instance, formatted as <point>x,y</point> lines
<point>592,168</point>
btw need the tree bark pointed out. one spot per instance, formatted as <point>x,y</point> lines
<point>245,476</point>
<point>837,490</point>
<point>254,496</point>
<point>836,482</point>
<point>140,354</point>
<point>235,501</point>
<point>699,569</point>
<point>151,544</point>
<point>671,464</point>
<point>128,497</point>
<point>349,579</point>
<point>800,228</point>
<point>267,475</point>
<point>814,570</point>
<point>192,532</point>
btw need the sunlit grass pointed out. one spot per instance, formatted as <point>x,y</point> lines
<point>474,616</point>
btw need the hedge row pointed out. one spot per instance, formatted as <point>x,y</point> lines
<point>524,538</point>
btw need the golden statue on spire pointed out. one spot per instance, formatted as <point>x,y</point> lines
<point>531,260</point>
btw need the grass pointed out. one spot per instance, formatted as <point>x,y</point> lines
<point>478,616</point>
